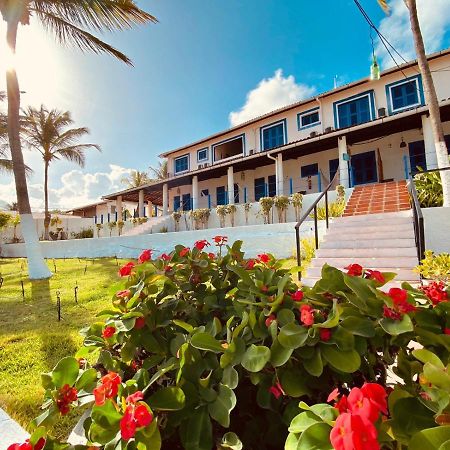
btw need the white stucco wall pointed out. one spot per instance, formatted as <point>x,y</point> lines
<point>278,239</point>
<point>437,229</point>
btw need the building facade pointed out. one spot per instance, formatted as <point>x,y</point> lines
<point>369,131</point>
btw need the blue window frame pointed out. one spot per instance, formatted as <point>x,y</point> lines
<point>260,188</point>
<point>417,156</point>
<point>354,110</point>
<point>405,94</point>
<point>202,154</point>
<point>273,135</point>
<point>309,170</point>
<point>333,165</point>
<point>181,164</point>
<point>221,195</point>
<point>176,203</point>
<point>307,119</point>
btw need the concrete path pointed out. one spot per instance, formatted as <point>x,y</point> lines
<point>10,431</point>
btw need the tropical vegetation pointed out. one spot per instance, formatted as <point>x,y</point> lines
<point>136,179</point>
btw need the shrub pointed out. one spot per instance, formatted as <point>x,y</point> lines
<point>335,209</point>
<point>200,217</point>
<point>297,202</point>
<point>222,211</point>
<point>429,189</point>
<point>120,225</point>
<point>266,204</point>
<point>281,202</point>
<point>99,228</point>
<point>112,226</point>
<point>308,247</point>
<point>231,211</point>
<point>84,233</point>
<point>201,351</point>
<point>435,267</point>
<point>247,207</point>
<point>176,215</point>
<point>4,220</point>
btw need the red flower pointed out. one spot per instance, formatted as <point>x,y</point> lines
<point>250,264</point>
<point>435,292</point>
<point>134,398</point>
<point>108,332</point>
<point>377,395</point>
<point>342,404</point>
<point>108,388</point>
<point>334,394</point>
<point>146,255</point>
<point>66,395</point>
<point>142,416</point>
<point>359,404</point>
<point>375,275</point>
<point>200,245</point>
<point>25,446</point>
<point>446,330</point>
<point>270,319</point>
<point>139,323</point>
<point>184,251</point>
<point>220,240</point>
<point>263,258</point>
<point>297,296</point>
<point>136,416</point>
<point>276,390</point>
<point>398,295</point>
<point>123,294</point>
<point>307,315</point>
<point>325,334</point>
<point>390,313</point>
<point>165,257</point>
<point>212,256</point>
<point>354,270</point>
<point>125,270</point>
<point>401,304</point>
<point>353,432</point>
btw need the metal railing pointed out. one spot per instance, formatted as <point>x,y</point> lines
<point>312,208</point>
<point>419,228</point>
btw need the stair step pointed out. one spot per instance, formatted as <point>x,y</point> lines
<point>370,232</point>
<point>387,252</point>
<point>381,216</point>
<point>390,262</point>
<point>368,242</point>
<point>402,274</point>
<point>364,221</point>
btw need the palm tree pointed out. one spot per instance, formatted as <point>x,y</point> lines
<point>430,96</point>
<point>160,172</point>
<point>48,132</point>
<point>12,206</point>
<point>71,22</point>
<point>136,179</point>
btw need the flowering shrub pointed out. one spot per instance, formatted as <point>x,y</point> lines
<point>207,350</point>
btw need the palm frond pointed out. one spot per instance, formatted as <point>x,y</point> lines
<point>385,6</point>
<point>69,137</point>
<point>72,154</point>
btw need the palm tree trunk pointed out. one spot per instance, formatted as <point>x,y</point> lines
<point>431,100</point>
<point>46,215</point>
<point>37,268</point>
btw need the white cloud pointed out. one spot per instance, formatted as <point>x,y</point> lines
<point>434,20</point>
<point>271,93</point>
<point>77,188</point>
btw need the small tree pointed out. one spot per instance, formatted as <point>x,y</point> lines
<point>297,202</point>
<point>231,211</point>
<point>247,207</point>
<point>222,211</point>
<point>99,227</point>
<point>15,220</point>
<point>176,215</point>
<point>111,226</point>
<point>266,204</point>
<point>281,202</point>
<point>120,225</point>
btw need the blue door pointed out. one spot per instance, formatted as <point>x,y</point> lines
<point>176,203</point>
<point>260,188</point>
<point>417,158</point>
<point>364,168</point>
<point>187,206</point>
<point>221,195</point>
<point>272,185</point>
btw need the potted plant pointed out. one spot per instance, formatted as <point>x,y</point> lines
<point>297,202</point>
<point>231,211</point>
<point>247,207</point>
<point>281,202</point>
<point>222,211</point>
<point>266,204</point>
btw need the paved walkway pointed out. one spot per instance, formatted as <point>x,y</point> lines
<point>10,431</point>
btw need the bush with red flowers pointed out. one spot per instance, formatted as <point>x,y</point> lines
<point>201,352</point>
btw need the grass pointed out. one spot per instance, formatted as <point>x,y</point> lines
<point>32,340</point>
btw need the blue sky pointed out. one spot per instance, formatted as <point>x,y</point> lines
<point>204,60</point>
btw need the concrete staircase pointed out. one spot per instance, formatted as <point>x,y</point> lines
<point>153,224</point>
<point>383,241</point>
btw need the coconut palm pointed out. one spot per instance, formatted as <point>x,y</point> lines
<point>49,132</point>
<point>136,179</point>
<point>72,22</point>
<point>161,171</point>
<point>430,95</point>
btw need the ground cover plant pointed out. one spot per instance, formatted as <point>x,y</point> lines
<point>203,350</point>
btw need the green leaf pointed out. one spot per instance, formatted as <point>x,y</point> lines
<point>167,399</point>
<point>149,437</point>
<point>347,362</point>
<point>184,325</point>
<point>314,365</point>
<point>230,440</point>
<point>360,326</point>
<point>426,356</point>
<point>285,316</point>
<point>396,327</point>
<point>196,432</point>
<point>302,421</point>
<point>220,409</point>
<point>230,377</point>
<point>315,437</point>
<point>293,383</point>
<point>101,435</point>
<point>87,379</point>
<point>65,372</point>
<point>292,336</point>
<point>437,376</point>
<point>106,415</point>
<point>332,320</point>
<point>255,358</point>
<point>204,341</point>
<point>432,438</point>
<point>279,355</point>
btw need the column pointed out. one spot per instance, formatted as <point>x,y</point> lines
<point>279,174</point>
<point>230,185</point>
<point>165,199</point>
<point>150,209</point>
<point>428,138</point>
<point>195,192</point>
<point>119,208</point>
<point>141,204</point>
<point>343,161</point>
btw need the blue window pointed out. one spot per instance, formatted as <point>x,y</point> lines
<point>176,203</point>
<point>333,166</point>
<point>236,193</point>
<point>354,111</point>
<point>309,171</point>
<point>202,155</point>
<point>272,185</point>
<point>221,195</point>
<point>308,118</point>
<point>204,193</point>
<point>405,94</point>
<point>273,135</point>
<point>260,188</point>
<point>187,204</point>
<point>417,159</point>
<point>182,164</point>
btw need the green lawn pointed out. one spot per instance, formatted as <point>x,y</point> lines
<point>31,338</point>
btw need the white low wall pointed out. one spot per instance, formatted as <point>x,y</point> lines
<point>278,239</point>
<point>437,229</point>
